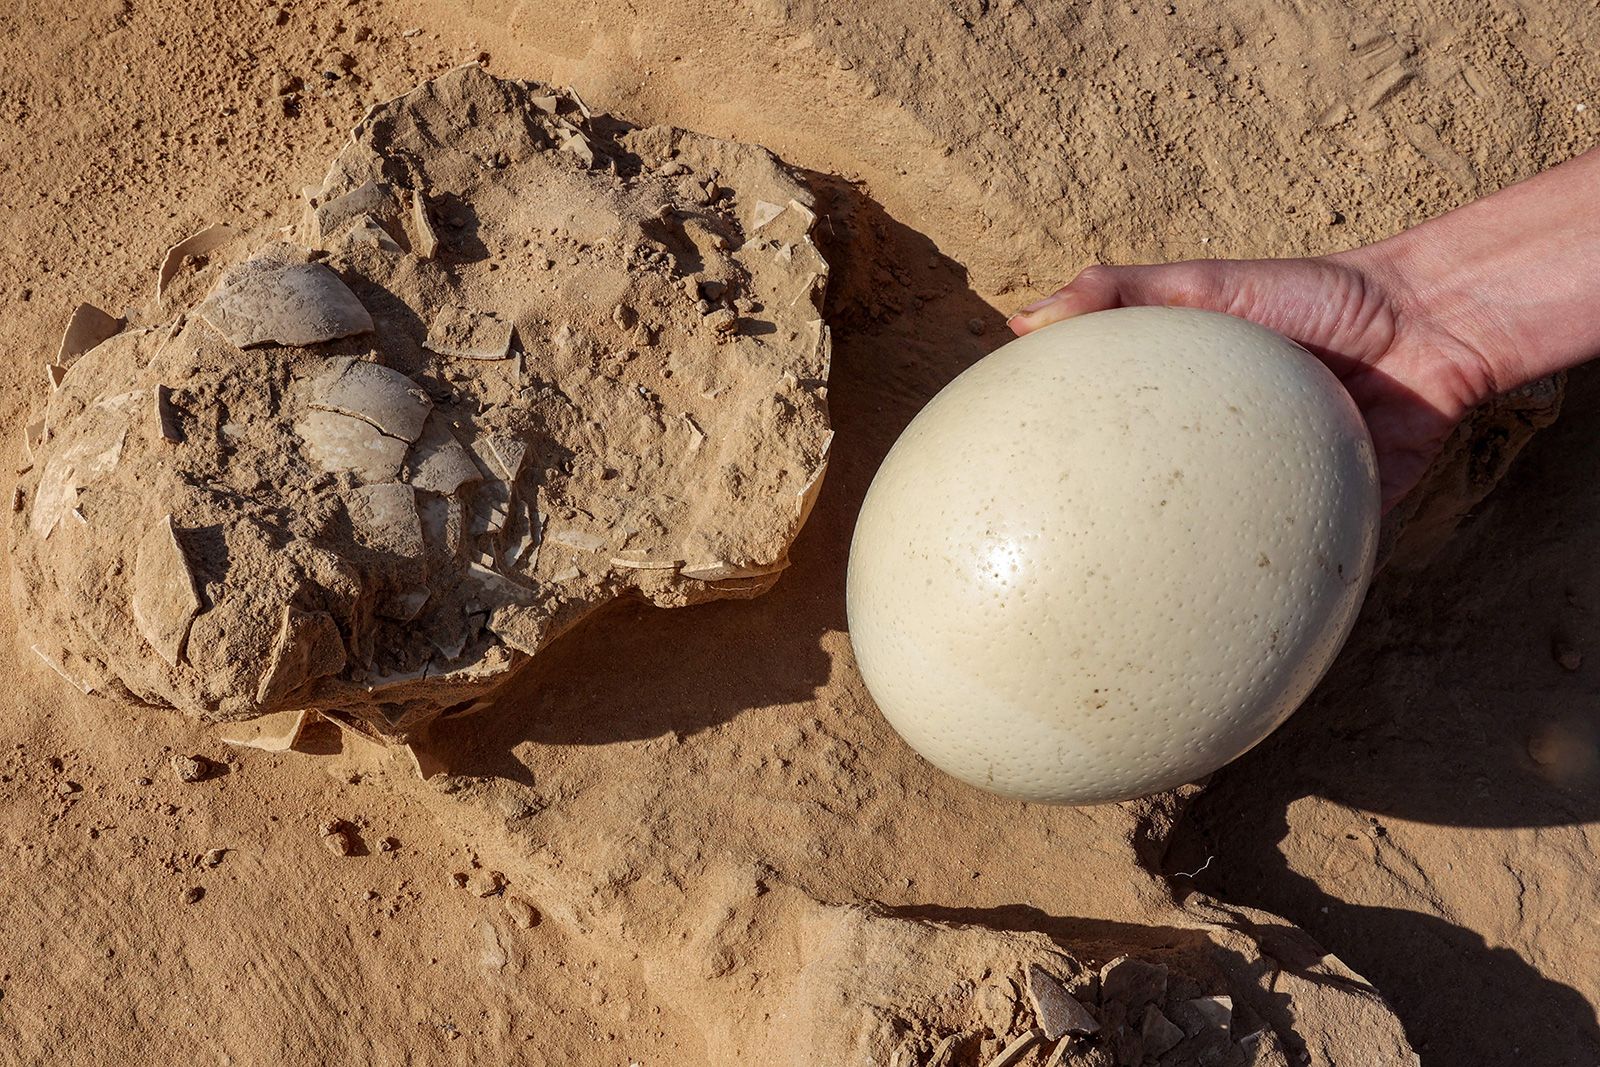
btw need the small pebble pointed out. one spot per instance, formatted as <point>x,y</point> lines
<point>371,894</point>
<point>142,782</point>
<point>388,844</point>
<point>522,913</point>
<point>191,768</point>
<point>975,327</point>
<point>213,857</point>
<point>483,883</point>
<point>194,894</point>
<point>338,843</point>
<point>722,320</point>
<point>276,16</point>
<point>66,789</point>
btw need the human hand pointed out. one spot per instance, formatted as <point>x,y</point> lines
<point>1410,373</point>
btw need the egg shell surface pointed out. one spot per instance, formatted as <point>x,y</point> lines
<point>1114,554</point>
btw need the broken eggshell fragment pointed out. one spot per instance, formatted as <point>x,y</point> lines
<point>265,302</point>
<point>468,334</point>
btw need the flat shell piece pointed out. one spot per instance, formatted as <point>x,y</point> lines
<point>521,535</point>
<point>722,570</point>
<point>164,597</point>
<point>639,563</point>
<point>78,464</point>
<point>508,454</point>
<point>368,198</point>
<point>338,442</point>
<point>498,589</point>
<point>308,646</point>
<point>1215,1012</point>
<point>278,732</point>
<point>765,211</point>
<point>1158,1032</point>
<point>1057,1010</point>
<point>200,243</point>
<point>439,462</point>
<point>468,334</point>
<point>425,240</point>
<point>581,540</point>
<point>369,232</point>
<point>87,327</point>
<point>1015,1051</point>
<point>385,518</point>
<point>576,144</point>
<point>386,398</point>
<point>284,303</point>
<point>51,662</point>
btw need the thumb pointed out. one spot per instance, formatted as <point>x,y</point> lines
<point>1100,288</point>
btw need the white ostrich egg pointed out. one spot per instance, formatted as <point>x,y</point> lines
<point>1114,554</point>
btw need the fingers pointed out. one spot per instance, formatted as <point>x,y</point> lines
<point>1100,288</point>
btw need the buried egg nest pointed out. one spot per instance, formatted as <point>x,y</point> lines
<point>486,385</point>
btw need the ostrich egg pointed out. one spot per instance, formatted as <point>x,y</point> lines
<point>1113,555</point>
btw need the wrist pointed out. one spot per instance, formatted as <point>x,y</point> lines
<point>1505,285</point>
<point>1430,295</point>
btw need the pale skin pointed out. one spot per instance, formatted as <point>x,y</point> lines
<point>1421,327</point>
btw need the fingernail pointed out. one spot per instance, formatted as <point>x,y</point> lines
<point>1037,305</point>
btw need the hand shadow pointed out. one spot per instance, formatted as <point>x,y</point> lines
<point>1451,706</point>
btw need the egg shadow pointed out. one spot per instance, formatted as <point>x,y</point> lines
<point>1450,706</point>
<point>904,322</point>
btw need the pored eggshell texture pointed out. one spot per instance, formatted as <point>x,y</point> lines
<point>1113,555</point>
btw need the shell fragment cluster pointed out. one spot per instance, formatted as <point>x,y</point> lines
<point>370,467</point>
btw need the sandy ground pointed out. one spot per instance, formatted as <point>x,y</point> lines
<point>1429,818</point>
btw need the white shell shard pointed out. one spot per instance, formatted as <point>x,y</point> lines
<point>1114,555</point>
<point>386,398</point>
<point>721,570</point>
<point>264,302</point>
<point>196,244</point>
<point>366,231</point>
<point>165,600</point>
<point>424,239</point>
<point>521,535</point>
<point>87,327</point>
<point>468,334</point>
<point>370,198</point>
<point>508,454</point>
<point>580,540</point>
<point>385,518</point>
<point>77,683</point>
<point>88,457</point>
<point>338,442</point>
<point>278,732</point>
<point>439,462</point>
<point>765,211</point>
<point>308,646</point>
<point>576,144</point>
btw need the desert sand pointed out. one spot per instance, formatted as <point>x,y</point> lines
<point>686,836</point>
